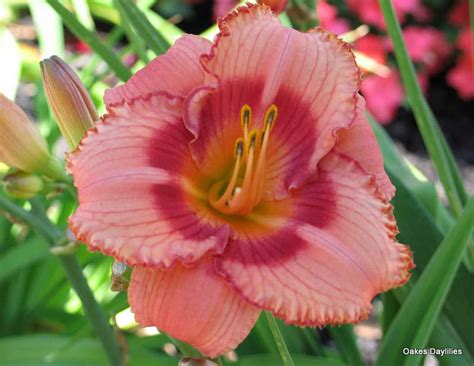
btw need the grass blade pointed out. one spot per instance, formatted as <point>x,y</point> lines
<point>21,256</point>
<point>144,28</point>
<point>50,33</point>
<point>83,13</point>
<point>11,65</point>
<point>136,42</point>
<point>279,341</point>
<point>92,39</point>
<point>421,308</point>
<point>434,140</point>
<point>346,343</point>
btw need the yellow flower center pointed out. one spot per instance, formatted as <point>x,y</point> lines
<point>244,190</point>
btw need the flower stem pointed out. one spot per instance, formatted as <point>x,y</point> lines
<point>43,226</point>
<point>428,126</point>
<point>279,341</point>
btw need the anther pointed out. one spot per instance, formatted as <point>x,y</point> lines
<point>245,115</point>
<point>270,116</point>
<point>239,147</point>
<point>253,138</point>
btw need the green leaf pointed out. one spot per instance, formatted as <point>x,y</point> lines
<point>428,126</point>
<point>53,350</point>
<point>418,315</point>
<point>273,360</point>
<point>93,40</point>
<point>390,309</point>
<point>419,185</point>
<point>153,38</point>
<point>419,229</point>
<point>83,13</point>
<point>135,40</point>
<point>279,341</point>
<point>11,65</point>
<point>423,229</point>
<point>21,256</point>
<point>12,311</point>
<point>50,33</point>
<point>346,344</point>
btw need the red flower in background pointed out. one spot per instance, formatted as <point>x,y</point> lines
<point>427,46</point>
<point>369,10</point>
<point>328,18</point>
<point>383,95</point>
<point>461,77</point>
<point>376,47</point>
<point>459,16</point>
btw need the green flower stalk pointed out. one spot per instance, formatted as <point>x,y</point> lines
<point>21,144</point>
<point>68,98</point>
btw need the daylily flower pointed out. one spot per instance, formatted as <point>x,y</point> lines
<point>237,176</point>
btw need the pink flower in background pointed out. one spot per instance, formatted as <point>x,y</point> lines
<point>461,77</point>
<point>277,6</point>
<point>376,47</point>
<point>221,7</point>
<point>369,11</point>
<point>327,16</point>
<point>384,95</point>
<point>237,176</point>
<point>427,46</point>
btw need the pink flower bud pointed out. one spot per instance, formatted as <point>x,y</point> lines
<point>68,98</point>
<point>21,144</point>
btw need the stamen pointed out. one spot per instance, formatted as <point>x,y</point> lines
<point>240,200</point>
<point>270,116</point>
<point>239,148</point>
<point>245,119</point>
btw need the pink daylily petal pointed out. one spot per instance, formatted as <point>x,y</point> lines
<point>326,263</point>
<point>311,78</point>
<point>177,72</point>
<point>193,305</point>
<point>130,172</point>
<point>360,144</point>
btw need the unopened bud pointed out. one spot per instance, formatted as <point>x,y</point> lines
<point>21,144</point>
<point>68,98</point>
<point>196,362</point>
<point>277,6</point>
<point>22,185</point>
